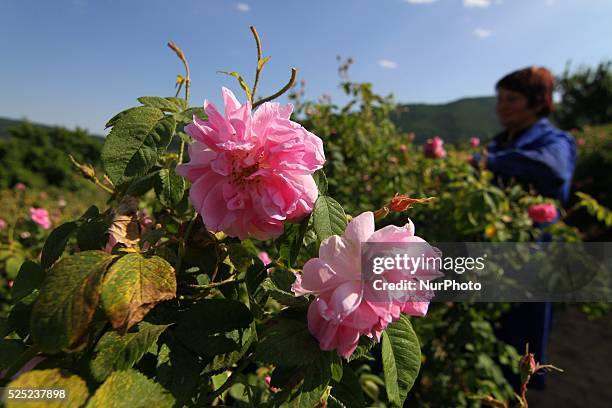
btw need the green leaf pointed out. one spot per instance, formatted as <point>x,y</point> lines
<point>143,184</point>
<point>321,180</point>
<point>328,218</point>
<point>130,389</point>
<point>134,285</point>
<point>111,122</point>
<point>136,141</point>
<point>363,349</point>
<point>56,242</point>
<point>10,351</point>
<point>116,352</point>
<point>67,301</point>
<point>169,104</point>
<point>74,387</point>
<point>290,243</point>
<point>288,343</point>
<point>203,332</point>
<point>241,81</point>
<point>29,278</point>
<point>178,370</point>
<point>187,116</point>
<point>278,286</point>
<point>169,187</point>
<point>92,233</point>
<point>348,390</point>
<point>401,358</point>
<point>311,390</point>
<point>224,361</point>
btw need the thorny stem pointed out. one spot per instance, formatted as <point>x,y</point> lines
<point>259,57</point>
<point>279,93</point>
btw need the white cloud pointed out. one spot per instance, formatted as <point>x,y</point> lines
<point>482,32</point>
<point>388,64</point>
<point>243,7</point>
<point>476,3</point>
<point>420,1</point>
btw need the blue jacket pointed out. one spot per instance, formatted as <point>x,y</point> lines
<point>542,156</point>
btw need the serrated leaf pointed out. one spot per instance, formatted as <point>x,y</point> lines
<point>401,358</point>
<point>134,285</point>
<point>169,104</point>
<point>74,387</point>
<point>278,286</point>
<point>130,389</point>
<point>136,141</point>
<point>288,343</point>
<point>203,332</point>
<point>56,242</point>
<point>241,81</point>
<point>67,301</point>
<point>348,390</point>
<point>321,181</point>
<point>116,352</point>
<point>328,218</point>
<point>290,242</point>
<point>169,187</point>
<point>111,122</point>
<point>29,278</point>
<point>178,370</point>
<point>187,115</point>
<point>142,184</point>
<point>92,234</point>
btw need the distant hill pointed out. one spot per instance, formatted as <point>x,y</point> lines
<point>6,124</point>
<point>454,121</point>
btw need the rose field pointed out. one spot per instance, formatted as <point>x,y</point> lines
<point>210,254</point>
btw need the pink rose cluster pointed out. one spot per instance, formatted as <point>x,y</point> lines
<point>343,310</point>
<point>41,217</point>
<point>250,173</point>
<point>434,148</point>
<point>474,142</point>
<point>543,212</point>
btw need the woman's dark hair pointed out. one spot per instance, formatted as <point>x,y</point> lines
<point>536,83</point>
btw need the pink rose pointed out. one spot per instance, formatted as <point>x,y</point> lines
<point>580,141</point>
<point>342,312</point>
<point>19,186</point>
<point>251,173</point>
<point>474,142</point>
<point>434,148</point>
<point>41,217</point>
<point>264,257</point>
<point>403,148</point>
<point>544,212</point>
<point>3,224</point>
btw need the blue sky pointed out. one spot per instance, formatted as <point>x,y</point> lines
<point>78,62</point>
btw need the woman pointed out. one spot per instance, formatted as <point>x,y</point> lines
<point>535,153</point>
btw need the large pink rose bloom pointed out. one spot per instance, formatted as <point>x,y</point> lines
<point>251,173</point>
<point>342,311</point>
